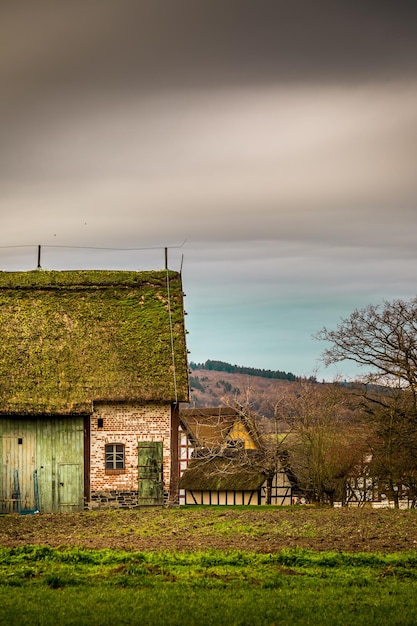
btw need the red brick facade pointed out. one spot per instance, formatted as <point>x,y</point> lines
<point>125,424</point>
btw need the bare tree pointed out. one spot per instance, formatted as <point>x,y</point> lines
<point>392,441</point>
<point>326,441</point>
<point>311,435</point>
<point>314,433</point>
<point>381,338</point>
<point>240,443</point>
<point>384,340</point>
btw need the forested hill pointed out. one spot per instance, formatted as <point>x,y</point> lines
<point>222,366</point>
<point>210,388</point>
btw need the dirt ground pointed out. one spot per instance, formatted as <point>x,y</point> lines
<point>260,529</point>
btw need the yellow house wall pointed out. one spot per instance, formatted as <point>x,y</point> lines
<point>239,431</point>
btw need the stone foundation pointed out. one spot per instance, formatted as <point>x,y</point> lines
<point>115,500</point>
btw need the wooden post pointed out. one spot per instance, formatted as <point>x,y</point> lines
<point>175,468</point>
<point>39,258</point>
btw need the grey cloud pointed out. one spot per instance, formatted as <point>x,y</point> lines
<point>275,147</point>
<point>131,46</point>
<point>155,40</point>
<point>278,138</point>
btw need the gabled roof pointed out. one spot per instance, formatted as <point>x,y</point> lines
<point>221,474</point>
<point>69,338</point>
<point>208,427</point>
<point>212,427</point>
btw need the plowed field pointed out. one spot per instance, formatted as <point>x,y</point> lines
<point>259,529</point>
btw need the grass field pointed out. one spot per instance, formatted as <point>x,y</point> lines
<point>77,586</point>
<point>72,584</point>
<point>46,586</point>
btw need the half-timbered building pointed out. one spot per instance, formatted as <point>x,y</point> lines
<point>224,460</point>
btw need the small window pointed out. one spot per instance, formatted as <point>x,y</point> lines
<point>100,422</point>
<point>115,456</point>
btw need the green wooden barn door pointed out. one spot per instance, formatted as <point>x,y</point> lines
<point>69,487</point>
<point>150,464</point>
<point>18,454</point>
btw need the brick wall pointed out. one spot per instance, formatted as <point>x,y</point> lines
<point>125,424</point>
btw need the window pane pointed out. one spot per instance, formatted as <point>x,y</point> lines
<point>115,456</point>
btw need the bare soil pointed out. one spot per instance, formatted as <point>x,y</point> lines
<point>262,529</point>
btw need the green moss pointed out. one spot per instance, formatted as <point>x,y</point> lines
<point>70,338</point>
<point>220,474</point>
<point>82,278</point>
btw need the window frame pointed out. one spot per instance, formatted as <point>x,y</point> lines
<point>113,457</point>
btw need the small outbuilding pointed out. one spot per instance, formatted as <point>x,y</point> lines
<point>93,367</point>
<point>225,460</point>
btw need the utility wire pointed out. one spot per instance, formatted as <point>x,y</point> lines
<point>95,247</point>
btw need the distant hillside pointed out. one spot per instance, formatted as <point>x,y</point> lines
<point>220,388</point>
<point>222,366</point>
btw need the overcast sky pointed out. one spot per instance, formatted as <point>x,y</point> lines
<point>272,145</point>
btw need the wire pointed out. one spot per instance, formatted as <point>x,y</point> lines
<point>30,245</point>
<point>95,247</point>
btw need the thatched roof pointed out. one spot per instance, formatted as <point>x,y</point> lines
<point>69,338</point>
<point>208,427</point>
<point>221,474</point>
<point>213,427</point>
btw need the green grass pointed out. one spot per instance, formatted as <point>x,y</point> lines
<point>40,585</point>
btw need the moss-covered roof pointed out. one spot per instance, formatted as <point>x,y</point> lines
<point>221,474</point>
<point>69,338</point>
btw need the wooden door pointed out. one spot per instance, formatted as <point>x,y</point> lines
<point>18,453</point>
<point>69,487</point>
<point>150,473</point>
<point>60,453</point>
